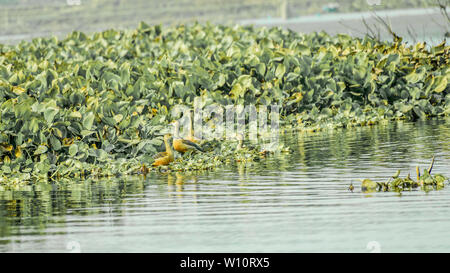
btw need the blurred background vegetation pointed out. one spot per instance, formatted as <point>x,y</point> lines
<point>21,19</point>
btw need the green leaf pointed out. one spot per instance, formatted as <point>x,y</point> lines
<point>440,83</point>
<point>56,144</point>
<point>305,50</point>
<point>34,125</point>
<point>85,133</point>
<point>118,118</point>
<point>414,77</point>
<point>237,90</point>
<point>419,112</point>
<point>261,69</point>
<point>40,150</point>
<point>88,121</point>
<point>280,71</point>
<point>292,76</point>
<point>75,114</point>
<point>73,149</point>
<point>50,113</point>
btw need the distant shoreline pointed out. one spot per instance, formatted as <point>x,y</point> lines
<point>427,23</point>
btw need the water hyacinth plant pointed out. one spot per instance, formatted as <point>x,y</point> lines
<point>97,105</point>
<point>425,180</point>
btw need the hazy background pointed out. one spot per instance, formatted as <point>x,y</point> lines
<point>413,19</point>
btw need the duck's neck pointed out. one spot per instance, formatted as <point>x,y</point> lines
<point>191,130</point>
<point>168,147</point>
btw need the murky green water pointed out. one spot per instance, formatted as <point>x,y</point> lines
<point>295,202</point>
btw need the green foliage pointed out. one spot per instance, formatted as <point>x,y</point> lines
<point>99,103</point>
<point>425,180</point>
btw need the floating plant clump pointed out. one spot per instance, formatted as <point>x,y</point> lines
<point>97,105</point>
<point>425,181</point>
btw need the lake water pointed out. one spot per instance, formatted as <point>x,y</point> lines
<point>295,202</point>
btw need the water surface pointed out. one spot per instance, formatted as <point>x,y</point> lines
<point>294,202</point>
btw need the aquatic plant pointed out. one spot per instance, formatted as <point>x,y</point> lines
<point>97,105</point>
<point>425,181</point>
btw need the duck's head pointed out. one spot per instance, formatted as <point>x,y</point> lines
<point>175,123</point>
<point>167,137</point>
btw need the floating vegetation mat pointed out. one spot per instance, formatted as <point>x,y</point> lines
<point>92,106</point>
<point>425,181</point>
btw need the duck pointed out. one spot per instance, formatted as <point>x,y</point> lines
<point>183,145</point>
<point>164,158</point>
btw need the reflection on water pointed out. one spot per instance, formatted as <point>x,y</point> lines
<point>293,202</point>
